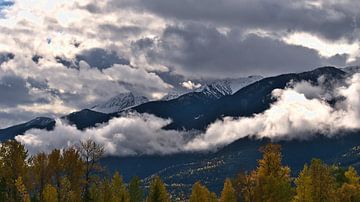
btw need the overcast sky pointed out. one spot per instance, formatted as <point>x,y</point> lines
<point>60,56</point>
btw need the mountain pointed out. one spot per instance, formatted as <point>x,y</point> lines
<point>351,69</point>
<point>187,108</point>
<point>239,83</point>
<point>37,123</point>
<point>86,118</point>
<point>120,102</point>
<point>172,95</point>
<point>197,110</point>
<point>181,171</point>
<point>216,89</point>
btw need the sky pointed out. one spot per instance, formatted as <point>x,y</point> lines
<point>60,56</point>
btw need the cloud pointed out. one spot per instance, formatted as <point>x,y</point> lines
<point>197,50</point>
<point>131,135</point>
<point>330,19</point>
<point>301,112</point>
<point>298,113</point>
<point>190,85</point>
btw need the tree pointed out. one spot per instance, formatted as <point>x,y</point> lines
<point>119,191</point>
<point>272,180</point>
<point>228,192</point>
<point>73,168</point>
<point>13,167</point>
<point>50,193</point>
<point>24,196</point>
<point>244,185</point>
<point>315,183</point>
<point>65,192</point>
<point>135,191</point>
<point>39,171</point>
<point>350,190</point>
<point>303,186</point>
<point>200,193</point>
<point>157,191</point>
<point>91,154</point>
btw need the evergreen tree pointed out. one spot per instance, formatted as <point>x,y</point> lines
<point>135,191</point>
<point>228,192</point>
<point>157,191</point>
<point>244,186</point>
<point>50,194</point>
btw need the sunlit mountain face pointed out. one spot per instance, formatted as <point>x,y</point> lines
<point>187,90</point>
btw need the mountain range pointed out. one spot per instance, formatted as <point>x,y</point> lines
<point>195,111</point>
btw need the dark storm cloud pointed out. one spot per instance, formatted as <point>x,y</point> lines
<point>4,57</point>
<point>95,57</point>
<point>13,91</point>
<point>101,58</point>
<point>202,51</point>
<point>330,20</point>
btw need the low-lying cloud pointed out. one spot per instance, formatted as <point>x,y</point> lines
<point>301,111</point>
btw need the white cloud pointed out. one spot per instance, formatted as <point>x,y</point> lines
<point>130,135</point>
<point>190,85</point>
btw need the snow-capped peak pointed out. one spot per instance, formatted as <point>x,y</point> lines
<point>120,102</point>
<point>216,89</point>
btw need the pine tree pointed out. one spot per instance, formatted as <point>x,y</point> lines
<point>228,192</point>
<point>50,193</point>
<point>135,191</point>
<point>272,180</point>
<point>157,191</point>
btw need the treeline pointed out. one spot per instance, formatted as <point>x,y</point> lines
<point>74,174</point>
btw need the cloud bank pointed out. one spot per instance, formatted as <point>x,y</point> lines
<point>300,112</point>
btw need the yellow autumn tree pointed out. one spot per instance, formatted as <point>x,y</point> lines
<point>157,191</point>
<point>350,191</point>
<point>228,193</point>
<point>200,193</point>
<point>50,193</point>
<point>272,179</point>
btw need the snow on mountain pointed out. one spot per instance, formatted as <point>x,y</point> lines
<point>216,89</point>
<point>120,102</point>
<point>172,95</point>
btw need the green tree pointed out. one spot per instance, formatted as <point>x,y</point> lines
<point>272,180</point>
<point>157,191</point>
<point>50,193</point>
<point>135,191</point>
<point>228,193</point>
